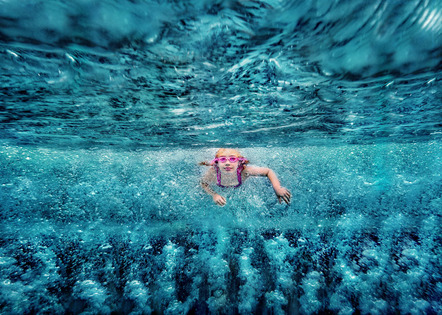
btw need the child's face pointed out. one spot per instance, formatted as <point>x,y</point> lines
<point>228,167</point>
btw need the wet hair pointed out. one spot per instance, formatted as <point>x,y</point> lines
<point>220,152</point>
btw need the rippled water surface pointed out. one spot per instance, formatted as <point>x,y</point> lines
<point>212,73</point>
<point>106,107</point>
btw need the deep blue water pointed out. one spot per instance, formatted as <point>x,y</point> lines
<point>107,107</point>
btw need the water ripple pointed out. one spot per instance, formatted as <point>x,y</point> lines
<point>176,64</point>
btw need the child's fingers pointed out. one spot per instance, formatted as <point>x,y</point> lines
<point>286,199</point>
<point>221,201</point>
<point>286,196</point>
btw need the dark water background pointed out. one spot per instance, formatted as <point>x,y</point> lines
<point>107,106</point>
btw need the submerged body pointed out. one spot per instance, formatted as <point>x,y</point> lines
<point>230,169</point>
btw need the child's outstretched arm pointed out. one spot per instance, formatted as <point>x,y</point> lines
<point>281,192</point>
<point>208,178</point>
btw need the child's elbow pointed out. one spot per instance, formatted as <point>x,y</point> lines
<point>267,172</point>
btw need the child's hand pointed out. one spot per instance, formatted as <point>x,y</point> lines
<point>219,200</point>
<point>284,194</point>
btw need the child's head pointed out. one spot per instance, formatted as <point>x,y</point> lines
<point>229,157</point>
<point>228,160</point>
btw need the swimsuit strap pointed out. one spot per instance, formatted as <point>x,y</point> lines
<point>238,173</point>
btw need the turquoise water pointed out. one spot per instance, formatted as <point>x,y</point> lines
<point>107,107</point>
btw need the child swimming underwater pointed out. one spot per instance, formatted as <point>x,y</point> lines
<point>229,169</point>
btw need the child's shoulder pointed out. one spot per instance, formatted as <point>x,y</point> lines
<point>209,177</point>
<point>248,170</point>
<point>255,170</point>
<point>211,172</point>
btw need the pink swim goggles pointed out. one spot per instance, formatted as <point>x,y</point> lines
<point>231,159</point>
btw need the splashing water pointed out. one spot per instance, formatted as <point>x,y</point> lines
<point>107,107</point>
